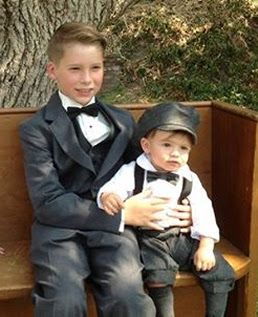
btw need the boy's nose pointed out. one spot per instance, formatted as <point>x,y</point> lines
<point>85,78</point>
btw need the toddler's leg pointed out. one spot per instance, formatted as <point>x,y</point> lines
<point>216,304</point>
<point>163,299</point>
<point>217,283</point>
<point>160,269</point>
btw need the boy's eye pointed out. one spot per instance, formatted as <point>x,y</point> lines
<point>96,67</point>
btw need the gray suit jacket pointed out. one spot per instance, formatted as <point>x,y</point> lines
<point>58,170</point>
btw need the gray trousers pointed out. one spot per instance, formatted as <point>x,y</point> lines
<point>164,253</point>
<point>111,262</point>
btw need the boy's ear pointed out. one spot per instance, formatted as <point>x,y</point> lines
<point>145,145</point>
<point>51,70</point>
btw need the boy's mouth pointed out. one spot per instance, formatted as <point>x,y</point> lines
<point>84,90</point>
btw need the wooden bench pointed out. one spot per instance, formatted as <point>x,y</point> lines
<point>226,158</point>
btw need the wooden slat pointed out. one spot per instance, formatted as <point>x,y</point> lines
<point>235,194</point>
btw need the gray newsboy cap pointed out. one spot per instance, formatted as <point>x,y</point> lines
<point>168,116</point>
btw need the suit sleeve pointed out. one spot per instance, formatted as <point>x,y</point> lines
<point>53,204</point>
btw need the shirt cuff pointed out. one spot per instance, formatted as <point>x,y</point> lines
<point>122,223</point>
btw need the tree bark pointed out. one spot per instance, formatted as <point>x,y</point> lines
<point>25,28</point>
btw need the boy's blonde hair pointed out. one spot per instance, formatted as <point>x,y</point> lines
<point>70,32</point>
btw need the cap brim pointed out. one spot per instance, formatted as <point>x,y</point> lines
<point>172,127</point>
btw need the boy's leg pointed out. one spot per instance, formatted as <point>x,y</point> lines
<point>117,275</point>
<point>61,267</point>
<point>217,283</point>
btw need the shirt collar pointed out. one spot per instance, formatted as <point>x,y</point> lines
<point>67,102</point>
<point>144,162</point>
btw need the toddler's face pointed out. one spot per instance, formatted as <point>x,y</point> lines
<point>168,151</point>
<point>79,73</point>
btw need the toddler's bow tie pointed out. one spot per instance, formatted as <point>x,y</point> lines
<point>168,176</point>
<point>91,110</point>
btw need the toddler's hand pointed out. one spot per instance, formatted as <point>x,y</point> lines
<point>112,203</point>
<point>204,259</point>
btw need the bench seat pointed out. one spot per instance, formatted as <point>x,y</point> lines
<point>17,275</point>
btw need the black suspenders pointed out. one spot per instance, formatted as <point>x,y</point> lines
<point>186,189</point>
<point>138,178</point>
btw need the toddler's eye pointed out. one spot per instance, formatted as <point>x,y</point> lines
<point>185,148</point>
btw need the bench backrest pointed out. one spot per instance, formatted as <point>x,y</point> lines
<point>16,210</point>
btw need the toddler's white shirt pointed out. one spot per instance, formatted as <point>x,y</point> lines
<point>204,222</point>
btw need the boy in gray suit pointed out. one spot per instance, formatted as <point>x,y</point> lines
<point>72,146</point>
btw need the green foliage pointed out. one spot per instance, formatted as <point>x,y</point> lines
<point>196,55</point>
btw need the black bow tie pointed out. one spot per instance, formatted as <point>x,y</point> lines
<point>91,110</point>
<point>168,176</point>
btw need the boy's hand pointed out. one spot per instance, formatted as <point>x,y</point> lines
<point>204,258</point>
<point>184,214</point>
<point>112,203</point>
<point>2,251</point>
<point>143,210</point>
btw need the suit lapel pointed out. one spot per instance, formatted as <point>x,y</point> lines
<point>63,130</point>
<point>118,145</point>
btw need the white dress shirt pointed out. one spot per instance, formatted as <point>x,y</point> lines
<point>95,129</point>
<point>204,222</point>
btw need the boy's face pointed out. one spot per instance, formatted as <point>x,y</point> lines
<point>79,73</point>
<point>168,151</point>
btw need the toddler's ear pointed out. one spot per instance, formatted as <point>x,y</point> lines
<point>145,145</point>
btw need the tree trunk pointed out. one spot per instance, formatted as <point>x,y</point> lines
<point>25,28</point>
